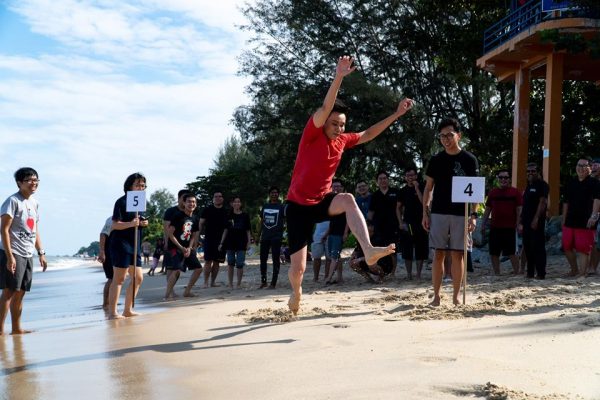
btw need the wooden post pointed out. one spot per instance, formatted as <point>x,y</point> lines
<point>521,129</point>
<point>135,246</point>
<point>552,128</point>
<point>466,233</point>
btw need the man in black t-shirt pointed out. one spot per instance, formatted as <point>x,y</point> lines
<point>533,222</point>
<point>445,220</point>
<point>214,220</point>
<point>183,241</point>
<point>167,216</point>
<point>384,212</point>
<point>579,217</point>
<point>271,234</point>
<point>413,237</point>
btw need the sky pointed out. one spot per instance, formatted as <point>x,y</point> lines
<point>94,90</point>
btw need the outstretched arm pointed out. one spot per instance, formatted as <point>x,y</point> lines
<point>344,67</point>
<point>374,131</point>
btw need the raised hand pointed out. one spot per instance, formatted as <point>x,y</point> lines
<point>405,105</point>
<point>344,66</point>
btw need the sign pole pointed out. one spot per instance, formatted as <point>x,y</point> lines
<point>135,246</point>
<point>466,233</point>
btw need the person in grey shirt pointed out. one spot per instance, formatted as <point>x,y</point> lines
<point>20,237</point>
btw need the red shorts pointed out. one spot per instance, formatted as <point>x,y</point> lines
<point>579,239</point>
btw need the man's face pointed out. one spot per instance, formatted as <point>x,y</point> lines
<point>362,188</point>
<point>29,185</point>
<point>334,125</point>
<point>218,199</point>
<point>383,181</point>
<point>596,169</point>
<point>337,187</point>
<point>449,138</point>
<point>410,177</point>
<point>236,204</point>
<point>274,196</point>
<point>583,169</point>
<point>503,179</point>
<point>190,204</point>
<point>532,174</point>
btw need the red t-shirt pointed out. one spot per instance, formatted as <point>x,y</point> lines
<point>318,158</point>
<point>504,203</point>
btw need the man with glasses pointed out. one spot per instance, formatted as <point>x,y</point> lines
<point>214,220</point>
<point>445,220</point>
<point>20,237</point>
<point>579,217</point>
<point>271,235</point>
<point>533,221</point>
<point>504,203</point>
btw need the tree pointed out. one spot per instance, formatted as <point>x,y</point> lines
<point>159,201</point>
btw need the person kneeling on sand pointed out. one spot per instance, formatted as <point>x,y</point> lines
<point>383,268</point>
<point>183,239</point>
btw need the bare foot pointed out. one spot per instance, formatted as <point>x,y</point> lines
<point>20,332</point>
<point>214,285</point>
<point>435,302</point>
<point>205,286</point>
<point>375,253</point>
<point>294,303</point>
<point>115,316</point>
<point>190,294</point>
<point>130,314</point>
<point>456,302</point>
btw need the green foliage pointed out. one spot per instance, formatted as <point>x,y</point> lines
<point>159,201</point>
<point>92,250</point>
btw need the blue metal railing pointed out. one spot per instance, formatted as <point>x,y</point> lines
<point>532,13</point>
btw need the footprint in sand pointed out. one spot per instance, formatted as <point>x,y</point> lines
<point>436,360</point>
<point>341,326</point>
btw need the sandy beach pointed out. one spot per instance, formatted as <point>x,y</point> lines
<point>514,339</point>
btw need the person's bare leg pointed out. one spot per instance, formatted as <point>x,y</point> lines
<point>437,275</point>
<point>331,270</point>
<point>295,275</point>
<point>340,271</point>
<point>408,265</point>
<point>213,273</point>
<point>514,261</point>
<point>317,269</point>
<point>327,267</point>
<point>115,292</point>
<point>594,259</point>
<point>193,279</point>
<point>172,278</point>
<point>130,295</point>
<point>345,203</point>
<point>240,274</point>
<point>419,269</point>
<point>572,259</point>
<point>230,276</point>
<point>584,261</point>
<point>105,294</point>
<point>495,264</point>
<point>207,271</point>
<point>458,270</point>
<point>5,299</point>
<point>394,265</point>
<point>16,309</point>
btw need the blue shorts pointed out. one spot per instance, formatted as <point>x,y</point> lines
<point>334,245</point>
<point>236,258</point>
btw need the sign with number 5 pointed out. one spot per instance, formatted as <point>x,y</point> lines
<point>136,201</point>
<point>468,189</point>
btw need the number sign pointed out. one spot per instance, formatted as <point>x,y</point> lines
<point>136,201</point>
<point>468,189</point>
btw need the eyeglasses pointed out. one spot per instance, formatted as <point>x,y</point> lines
<point>446,136</point>
<point>583,165</point>
<point>532,171</point>
<point>32,181</point>
<point>503,177</point>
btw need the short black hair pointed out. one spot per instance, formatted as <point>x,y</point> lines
<point>188,195</point>
<point>131,180</point>
<point>382,172</point>
<point>453,122</point>
<point>338,180</point>
<point>182,192</point>
<point>340,107</point>
<point>273,188</point>
<point>23,173</point>
<point>498,172</point>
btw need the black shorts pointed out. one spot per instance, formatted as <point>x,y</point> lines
<point>108,268</point>
<point>502,241</point>
<point>181,263</point>
<point>211,251</point>
<point>301,220</point>
<point>21,279</point>
<point>416,240</point>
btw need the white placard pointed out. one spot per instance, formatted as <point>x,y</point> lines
<point>136,201</point>
<point>468,189</point>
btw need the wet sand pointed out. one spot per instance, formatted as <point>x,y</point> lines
<point>514,339</point>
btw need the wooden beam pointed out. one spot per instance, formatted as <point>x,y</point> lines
<point>552,128</point>
<point>521,129</point>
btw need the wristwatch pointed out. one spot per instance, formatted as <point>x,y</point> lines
<point>41,252</point>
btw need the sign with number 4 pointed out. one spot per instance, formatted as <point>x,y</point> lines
<point>468,189</point>
<point>136,201</point>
